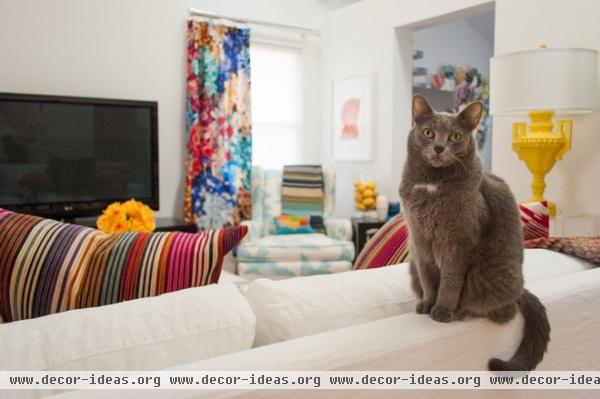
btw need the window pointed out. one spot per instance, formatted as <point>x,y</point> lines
<point>276,105</point>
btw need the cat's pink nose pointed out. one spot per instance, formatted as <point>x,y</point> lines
<point>438,149</point>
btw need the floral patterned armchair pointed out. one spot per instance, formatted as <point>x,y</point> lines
<point>264,254</point>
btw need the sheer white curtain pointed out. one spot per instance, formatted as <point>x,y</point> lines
<point>276,105</point>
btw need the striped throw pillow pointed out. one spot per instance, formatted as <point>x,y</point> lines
<point>389,246</point>
<point>136,265</point>
<point>535,220</point>
<point>48,266</point>
<point>40,262</point>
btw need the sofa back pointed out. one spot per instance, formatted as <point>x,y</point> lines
<point>293,308</point>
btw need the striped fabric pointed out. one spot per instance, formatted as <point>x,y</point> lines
<point>535,220</point>
<point>389,246</point>
<point>302,190</point>
<point>40,261</point>
<point>136,265</point>
<point>48,266</point>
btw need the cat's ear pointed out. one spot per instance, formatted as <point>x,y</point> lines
<point>421,110</point>
<point>470,116</point>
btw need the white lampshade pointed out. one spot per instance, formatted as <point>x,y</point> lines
<point>564,80</point>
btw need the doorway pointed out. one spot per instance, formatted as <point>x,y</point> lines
<point>451,68</point>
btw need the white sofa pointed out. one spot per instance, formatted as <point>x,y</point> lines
<point>359,320</point>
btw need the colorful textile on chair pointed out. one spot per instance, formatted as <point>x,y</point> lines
<point>535,220</point>
<point>293,224</point>
<point>587,248</point>
<point>302,190</point>
<point>217,186</point>
<point>389,246</point>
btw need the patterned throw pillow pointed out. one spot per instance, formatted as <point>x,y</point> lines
<point>389,246</point>
<point>48,266</point>
<point>535,220</point>
<point>40,261</point>
<point>293,224</point>
<point>127,266</point>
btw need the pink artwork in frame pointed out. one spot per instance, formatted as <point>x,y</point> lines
<point>352,118</point>
<point>350,111</point>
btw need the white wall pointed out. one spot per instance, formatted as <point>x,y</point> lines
<point>573,183</point>
<point>127,49</point>
<point>372,36</point>
<point>455,42</point>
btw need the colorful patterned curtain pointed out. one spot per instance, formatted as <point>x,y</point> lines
<point>217,189</point>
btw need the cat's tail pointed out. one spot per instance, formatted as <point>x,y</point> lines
<point>536,335</point>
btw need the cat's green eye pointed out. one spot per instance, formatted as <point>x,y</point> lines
<point>454,137</point>
<point>428,133</point>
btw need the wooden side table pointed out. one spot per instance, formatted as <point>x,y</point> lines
<point>360,226</point>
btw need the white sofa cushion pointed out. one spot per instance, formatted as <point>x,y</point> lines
<point>301,306</point>
<point>143,334</point>
<point>293,308</point>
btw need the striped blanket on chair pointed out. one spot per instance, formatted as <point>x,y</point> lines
<point>302,190</point>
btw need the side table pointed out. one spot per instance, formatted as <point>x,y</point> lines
<point>360,226</point>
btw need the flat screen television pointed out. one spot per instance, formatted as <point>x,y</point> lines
<point>66,157</point>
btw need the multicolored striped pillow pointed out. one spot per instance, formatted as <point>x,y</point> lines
<point>48,266</point>
<point>389,246</point>
<point>40,262</point>
<point>136,265</point>
<point>535,220</point>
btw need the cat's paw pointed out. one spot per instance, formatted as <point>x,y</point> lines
<point>460,315</point>
<point>441,314</point>
<point>424,307</point>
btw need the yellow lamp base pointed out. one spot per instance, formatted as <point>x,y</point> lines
<point>540,148</point>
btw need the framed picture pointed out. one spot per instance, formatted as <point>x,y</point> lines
<point>352,122</point>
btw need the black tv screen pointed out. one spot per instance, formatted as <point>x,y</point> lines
<point>67,156</point>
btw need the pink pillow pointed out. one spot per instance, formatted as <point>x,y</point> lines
<point>389,246</point>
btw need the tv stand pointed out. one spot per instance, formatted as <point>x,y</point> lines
<point>162,224</point>
<point>68,220</point>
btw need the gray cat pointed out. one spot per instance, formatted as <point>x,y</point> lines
<point>466,243</point>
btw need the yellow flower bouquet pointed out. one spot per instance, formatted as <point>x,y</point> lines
<point>131,215</point>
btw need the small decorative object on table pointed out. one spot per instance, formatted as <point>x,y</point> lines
<point>365,195</point>
<point>393,209</point>
<point>382,208</point>
<point>126,216</point>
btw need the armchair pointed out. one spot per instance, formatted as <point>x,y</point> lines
<point>264,254</point>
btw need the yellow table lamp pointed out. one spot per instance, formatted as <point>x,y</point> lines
<point>540,83</point>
